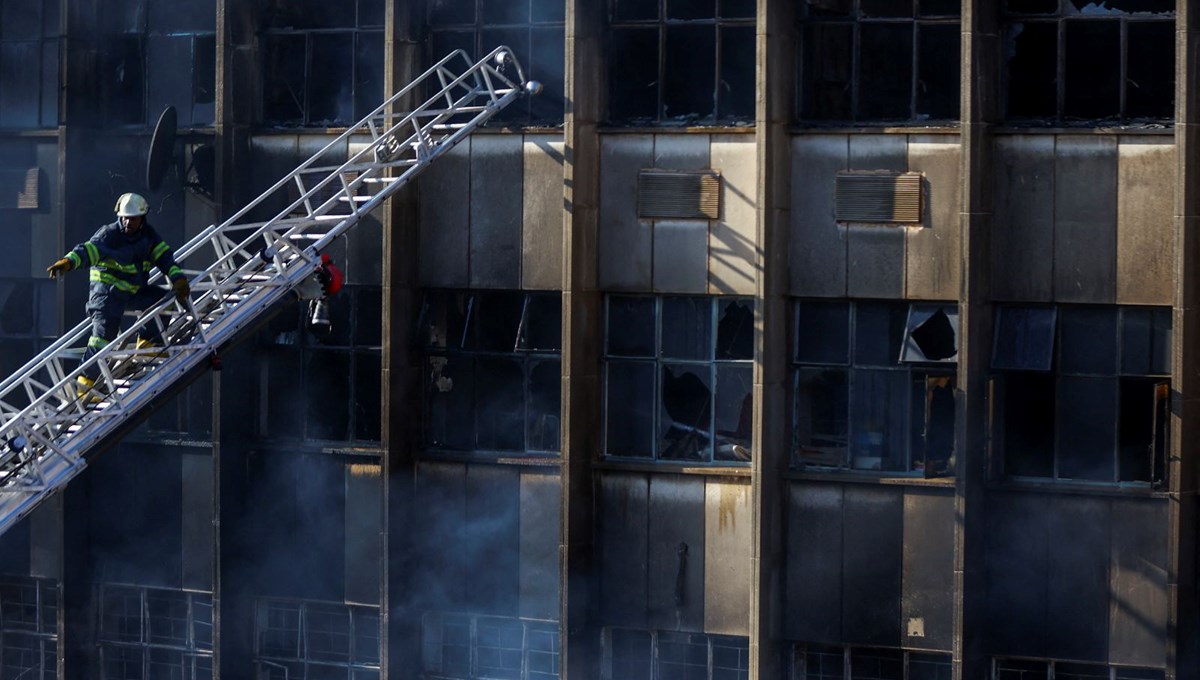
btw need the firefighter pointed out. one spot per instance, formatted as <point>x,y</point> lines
<point>120,255</point>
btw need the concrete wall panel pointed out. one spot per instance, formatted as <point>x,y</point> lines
<point>497,163</point>
<point>1085,219</point>
<point>926,602</point>
<point>364,499</point>
<point>682,152</point>
<point>676,552</point>
<point>440,502</point>
<point>1023,232</point>
<point>727,536</point>
<point>814,563</point>
<point>817,257</point>
<point>1078,580</point>
<point>875,255</point>
<point>621,544</point>
<point>445,219</point>
<point>493,531</point>
<point>731,243</point>
<point>542,235</point>
<point>681,256</point>
<point>197,510</point>
<point>625,243</point>
<point>44,234</point>
<point>541,530</point>
<point>933,249</point>
<point>1017,567</point>
<point>871,565</point>
<point>1145,228</point>
<point>1137,622</point>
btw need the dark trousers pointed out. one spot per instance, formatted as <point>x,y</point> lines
<point>106,305</point>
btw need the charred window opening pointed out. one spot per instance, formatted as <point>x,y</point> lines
<point>1044,669</point>
<point>325,379</point>
<point>493,371</point>
<point>829,662</point>
<point>878,61</point>
<point>534,29</point>
<point>874,386</point>
<point>474,646</point>
<point>322,63</point>
<point>28,628</point>
<point>154,632</point>
<point>1083,392</point>
<point>29,39</point>
<point>664,655</point>
<point>681,63</point>
<point>678,378</point>
<point>305,638</point>
<point>1087,62</point>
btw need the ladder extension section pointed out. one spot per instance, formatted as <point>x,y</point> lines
<point>238,270</point>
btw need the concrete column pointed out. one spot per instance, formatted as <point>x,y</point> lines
<point>771,427</point>
<point>582,335</point>
<point>1183,468</point>
<point>979,85</point>
<point>400,625</point>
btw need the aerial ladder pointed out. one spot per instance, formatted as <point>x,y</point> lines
<point>239,272</point>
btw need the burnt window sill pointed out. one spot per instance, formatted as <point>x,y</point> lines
<point>547,459</point>
<point>1105,489</point>
<point>1008,128</point>
<point>711,470</point>
<point>877,478</point>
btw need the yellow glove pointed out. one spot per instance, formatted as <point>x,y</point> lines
<point>59,268</point>
<point>181,288</point>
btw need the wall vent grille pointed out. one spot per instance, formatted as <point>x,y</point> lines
<point>881,197</point>
<point>679,195</point>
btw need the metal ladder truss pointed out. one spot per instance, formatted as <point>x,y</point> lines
<point>238,270</point>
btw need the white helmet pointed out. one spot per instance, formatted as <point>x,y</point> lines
<point>131,205</point>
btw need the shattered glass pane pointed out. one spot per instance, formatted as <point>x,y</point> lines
<point>543,419</point>
<point>686,328</point>
<point>1088,341</point>
<point>685,420</point>
<point>883,9</point>
<point>1032,50</point>
<point>885,71</point>
<point>633,65</point>
<point>827,63</point>
<point>735,91</point>
<point>688,71</point>
<point>938,71</point>
<point>499,396</point>
<point>631,326</point>
<point>1028,412</point>
<point>1086,426</point>
<point>443,319</point>
<point>1092,69</point>
<point>878,404</point>
<point>449,388</point>
<point>629,409</point>
<point>1150,69</point>
<point>330,96</point>
<point>735,329</point>
<point>1130,6</point>
<point>735,412</point>
<point>823,332</point>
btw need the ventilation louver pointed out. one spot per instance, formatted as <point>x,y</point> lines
<point>19,189</point>
<point>880,197</point>
<point>679,195</point>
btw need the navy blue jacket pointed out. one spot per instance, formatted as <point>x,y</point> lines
<point>122,261</point>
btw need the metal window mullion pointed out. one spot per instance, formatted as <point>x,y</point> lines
<point>914,76</point>
<point>1124,66</point>
<point>1060,73</point>
<point>855,61</point>
<point>308,49</point>
<point>662,63</point>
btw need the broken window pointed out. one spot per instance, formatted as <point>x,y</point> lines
<point>154,633</point>
<point>874,386</point>
<point>475,646</point>
<point>323,62</point>
<point>534,29</point>
<point>1086,61</point>
<point>670,655</point>
<point>493,372</point>
<point>681,63</point>
<point>678,378</point>
<point>28,628</point>
<point>1044,669</point>
<point>1083,392</point>
<point>878,61</point>
<point>305,638</point>
<point>829,662</point>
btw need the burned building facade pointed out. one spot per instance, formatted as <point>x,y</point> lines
<point>819,340</point>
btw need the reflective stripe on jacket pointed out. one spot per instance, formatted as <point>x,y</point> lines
<point>124,261</point>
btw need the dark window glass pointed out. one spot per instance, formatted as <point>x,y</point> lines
<point>682,656</point>
<point>689,66</point>
<point>442,12</point>
<point>541,327</point>
<point>21,19</point>
<point>1015,669</point>
<point>1028,403</point>
<point>827,67</point>
<point>1088,343</point>
<point>1024,339</point>
<point>496,321</point>
<point>204,77</point>
<point>938,75</point>
<point>687,328</point>
<point>823,332</point>
<point>19,84</point>
<point>940,8</point>
<point>876,664</point>
<point>1139,674</point>
<point>885,71</point>
<point>1031,80</point>
<point>1079,671</point>
<point>1140,429</point>
<point>931,334</point>
<point>878,411</point>
<point>284,80</point>
<point>735,91</point>
<point>691,9</point>
<point>631,322</point>
<point>543,421</point>
<point>548,11</point>
<point>370,13</point>
<point>1150,69</point>
<point>368,70</point>
<point>886,8</point>
<point>631,653</point>
<point>932,429</point>
<point>928,666</point>
<point>632,87</point>
<point>878,329</point>
<point>330,102</point>
<point>635,10</point>
<point>450,388</point>
<point>127,78</point>
<point>734,412</point>
<point>1086,424</point>
<point>546,66</point>
<point>629,400</point>
<point>735,329</point>
<point>822,417</point>
<point>1155,6</point>
<point>444,317</point>
<point>446,42</point>
<point>1146,341</point>
<point>1093,69</point>
<point>1032,6</point>
<point>737,9</point>
<point>824,663</point>
<point>685,421</point>
<point>327,392</point>
<point>499,396</point>
<point>367,369</point>
<point>504,11</point>
<point>516,38</point>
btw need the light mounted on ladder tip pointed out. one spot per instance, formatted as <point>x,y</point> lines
<point>324,283</point>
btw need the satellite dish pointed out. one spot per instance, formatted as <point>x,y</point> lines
<point>162,149</point>
<point>198,176</point>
